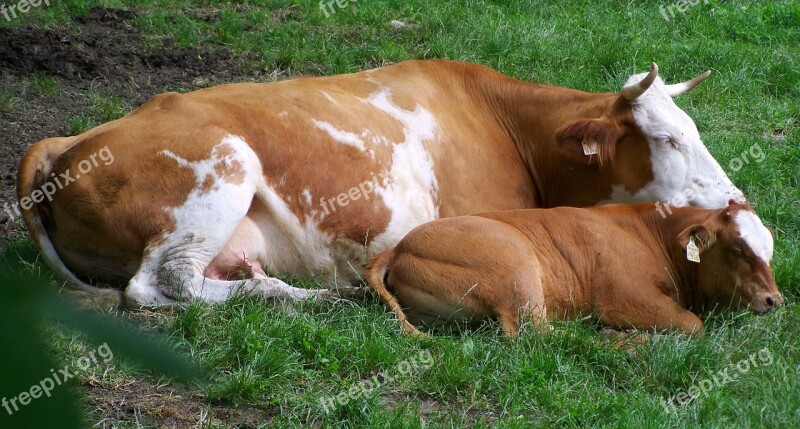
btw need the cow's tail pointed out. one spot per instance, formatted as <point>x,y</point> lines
<point>376,274</point>
<point>35,167</point>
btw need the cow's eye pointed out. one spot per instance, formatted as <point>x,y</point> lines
<point>737,251</point>
<point>667,141</point>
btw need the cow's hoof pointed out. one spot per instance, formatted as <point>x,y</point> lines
<point>351,293</point>
<point>412,331</point>
<point>106,301</point>
<point>626,340</point>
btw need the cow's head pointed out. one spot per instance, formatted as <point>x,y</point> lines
<point>735,253</point>
<point>644,133</point>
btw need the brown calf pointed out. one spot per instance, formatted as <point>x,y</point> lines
<point>624,263</point>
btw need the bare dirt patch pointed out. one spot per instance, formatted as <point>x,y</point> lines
<point>153,405</point>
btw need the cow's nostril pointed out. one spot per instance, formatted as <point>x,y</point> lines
<point>770,302</point>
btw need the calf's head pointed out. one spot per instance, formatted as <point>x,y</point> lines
<point>735,253</point>
<point>650,148</point>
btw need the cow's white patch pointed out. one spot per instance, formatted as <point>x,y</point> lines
<point>174,267</point>
<point>412,189</point>
<point>307,196</point>
<point>755,234</point>
<point>283,113</point>
<point>619,195</point>
<point>291,246</point>
<point>680,170</point>
<point>344,137</point>
<point>302,248</point>
<point>193,228</point>
<point>374,138</point>
<point>203,223</point>
<point>328,96</point>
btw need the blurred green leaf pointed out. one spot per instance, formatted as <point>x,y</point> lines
<point>27,399</point>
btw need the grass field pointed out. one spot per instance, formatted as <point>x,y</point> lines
<point>275,365</point>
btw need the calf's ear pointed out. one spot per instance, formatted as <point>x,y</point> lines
<point>703,237</point>
<point>590,140</point>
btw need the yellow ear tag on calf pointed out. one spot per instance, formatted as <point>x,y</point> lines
<point>692,252</point>
<point>590,147</point>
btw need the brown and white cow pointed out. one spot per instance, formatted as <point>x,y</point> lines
<point>624,263</point>
<point>308,178</point>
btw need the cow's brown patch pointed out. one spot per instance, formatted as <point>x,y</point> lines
<point>230,171</point>
<point>208,185</point>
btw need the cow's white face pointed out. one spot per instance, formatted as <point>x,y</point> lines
<point>685,173</point>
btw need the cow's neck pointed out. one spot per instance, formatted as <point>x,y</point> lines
<point>531,114</point>
<point>684,274</point>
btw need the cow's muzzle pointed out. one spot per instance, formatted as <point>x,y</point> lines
<point>764,302</point>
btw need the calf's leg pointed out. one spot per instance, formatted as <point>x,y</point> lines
<point>654,312</point>
<point>525,304</point>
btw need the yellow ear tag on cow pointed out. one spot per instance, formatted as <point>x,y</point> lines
<point>692,252</point>
<point>590,147</point>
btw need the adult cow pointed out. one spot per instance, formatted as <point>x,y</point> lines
<point>308,178</point>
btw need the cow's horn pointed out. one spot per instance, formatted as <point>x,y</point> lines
<point>677,89</point>
<point>634,90</point>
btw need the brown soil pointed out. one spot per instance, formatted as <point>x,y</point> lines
<point>154,406</point>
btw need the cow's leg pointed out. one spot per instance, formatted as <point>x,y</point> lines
<point>627,339</point>
<point>175,263</point>
<point>176,271</point>
<point>177,274</point>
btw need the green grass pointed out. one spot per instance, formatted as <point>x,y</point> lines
<point>99,108</point>
<point>40,84</point>
<point>35,85</point>
<point>9,101</point>
<point>80,123</point>
<point>287,357</point>
<point>104,108</point>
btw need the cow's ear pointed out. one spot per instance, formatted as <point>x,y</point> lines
<point>592,140</point>
<point>703,237</point>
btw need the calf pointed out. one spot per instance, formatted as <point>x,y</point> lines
<point>624,263</point>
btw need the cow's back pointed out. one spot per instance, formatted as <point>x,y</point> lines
<point>350,164</point>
